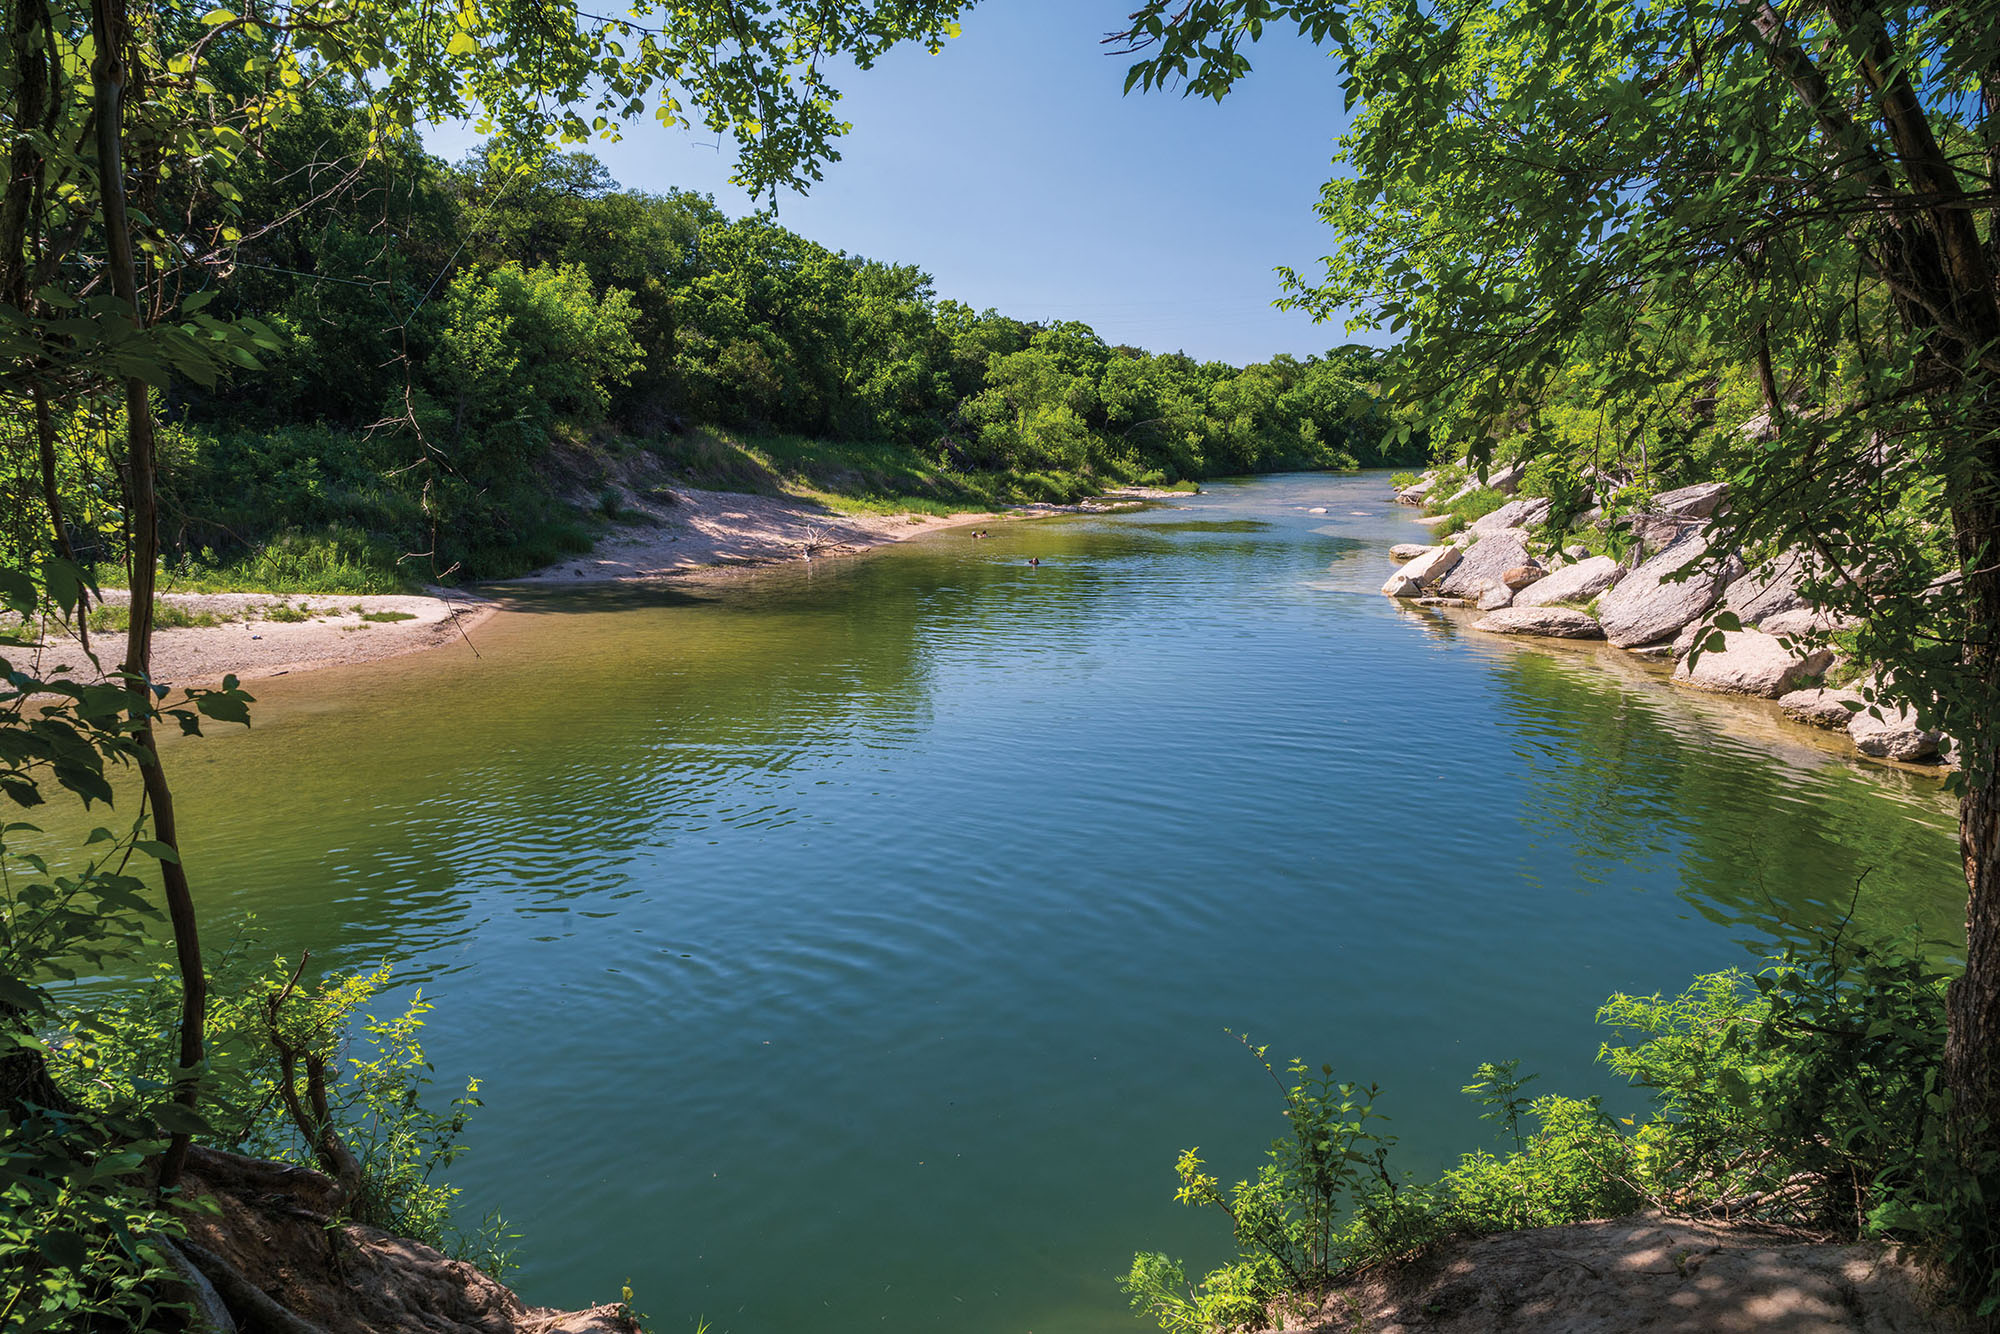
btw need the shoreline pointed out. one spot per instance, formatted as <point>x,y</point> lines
<point>695,535</point>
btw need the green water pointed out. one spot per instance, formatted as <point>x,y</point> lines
<point>852,948</point>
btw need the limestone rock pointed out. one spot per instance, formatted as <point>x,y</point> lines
<point>1409,551</point>
<point>1750,663</point>
<point>1822,707</point>
<point>1507,480</point>
<point>1484,562</point>
<point>1432,520</point>
<point>1804,623</point>
<point>1572,583</point>
<point>1513,514</point>
<point>1419,573</point>
<point>1656,600</point>
<point>1440,602</point>
<point>1692,502</point>
<point>1768,589</point>
<point>1656,532</point>
<point>1893,736</point>
<point>1547,622</point>
<point>1520,576</point>
<point>1495,597</point>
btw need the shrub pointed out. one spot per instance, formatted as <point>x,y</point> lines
<point>1806,1095</point>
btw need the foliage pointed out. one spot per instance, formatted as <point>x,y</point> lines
<point>121,1053</point>
<point>1807,1095</point>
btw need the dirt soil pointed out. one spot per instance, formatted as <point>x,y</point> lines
<point>1651,1274</point>
<point>272,1228</point>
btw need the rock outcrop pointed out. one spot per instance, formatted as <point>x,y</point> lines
<point>1893,736</point>
<point>1660,597</point>
<point>1547,622</point>
<point>1572,583</point>
<point>1750,663</point>
<point>1418,574</point>
<point>1485,564</point>
<point>1821,707</point>
<point>1767,589</point>
<point>1513,514</point>
<point>1408,551</point>
<point>1692,502</point>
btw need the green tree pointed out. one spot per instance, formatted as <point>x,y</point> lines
<point>128,126</point>
<point>1806,190</point>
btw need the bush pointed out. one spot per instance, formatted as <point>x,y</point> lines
<point>1805,1096</point>
<point>121,1055</point>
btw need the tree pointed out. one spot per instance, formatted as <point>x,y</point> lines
<point>1809,191</point>
<point>127,127</point>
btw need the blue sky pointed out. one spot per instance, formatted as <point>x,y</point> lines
<point>1011,168</point>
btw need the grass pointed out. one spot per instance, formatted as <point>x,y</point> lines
<point>166,616</point>
<point>381,616</point>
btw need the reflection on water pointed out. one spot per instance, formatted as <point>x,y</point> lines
<point>850,946</point>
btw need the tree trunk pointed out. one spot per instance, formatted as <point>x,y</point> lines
<point>1972,1050</point>
<point>108,76</point>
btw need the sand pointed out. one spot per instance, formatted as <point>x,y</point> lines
<point>696,532</point>
<point>249,645</point>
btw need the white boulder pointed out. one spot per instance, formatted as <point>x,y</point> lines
<point>1417,575</point>
<point>1769,588</point>
<point>1548,622</point>
<point>1572,583</point>
<point>1822,707</point>
<point>1485,563</point>
<point>1750,663</point>
<point>1893,736</point>
<point>1408,551</point>
<point>1692,502</point>
<point>1513,514</point>
<point>1662,595</point>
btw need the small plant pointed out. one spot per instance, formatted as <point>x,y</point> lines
<point>1498,1088</point>
<point>1286,1220</point>
<point>387,616</point>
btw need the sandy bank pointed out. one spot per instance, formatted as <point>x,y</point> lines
<point>707,530</point>
<point>696,532</point>
<point>316,630</point>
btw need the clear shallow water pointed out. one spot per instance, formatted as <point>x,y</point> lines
<point>852,947</point>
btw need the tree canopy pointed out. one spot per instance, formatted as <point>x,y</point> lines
<point>1672,195</point>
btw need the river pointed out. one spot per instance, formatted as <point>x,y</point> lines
<point>853,946</point>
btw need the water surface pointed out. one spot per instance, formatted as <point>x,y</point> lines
<point>852,947</point>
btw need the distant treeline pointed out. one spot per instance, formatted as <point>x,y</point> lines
<point>458,342</point>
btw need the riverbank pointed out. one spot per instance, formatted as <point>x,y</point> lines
<point>670,532</point>
<point>1675,597</point>
<point>1668,1275</point>
<point>668,535</point>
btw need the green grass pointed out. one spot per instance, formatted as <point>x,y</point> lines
<point>380,616</point>
<point>166,616</point>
